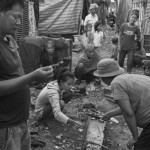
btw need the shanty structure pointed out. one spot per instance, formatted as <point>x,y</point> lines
<point>144,20</point>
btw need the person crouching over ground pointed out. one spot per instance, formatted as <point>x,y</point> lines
<point>139,55</point>
<point>132,94</point>
<point>87,64</point>
<point>115,49</point>
<point>49,101</point>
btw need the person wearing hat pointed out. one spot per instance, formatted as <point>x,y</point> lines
<point>92,17</point>
<point>132,94</point>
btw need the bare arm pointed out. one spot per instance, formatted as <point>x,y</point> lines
<point>129,117</point>
<point>112,113</point>
<point>9,86</point>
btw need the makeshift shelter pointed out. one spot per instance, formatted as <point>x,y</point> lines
<point>60,17</point>
<point>144,20</point>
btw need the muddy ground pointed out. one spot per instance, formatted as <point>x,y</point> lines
<point>57,136</point>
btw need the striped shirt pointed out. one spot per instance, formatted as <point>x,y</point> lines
<point>51,95</point>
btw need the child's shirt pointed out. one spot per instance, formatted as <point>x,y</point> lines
<point>98,36</point>
<point>129,36</point>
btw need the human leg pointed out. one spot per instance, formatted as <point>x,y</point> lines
<point>143,142</point>
<point>130,60</point>
<point>122,56</point>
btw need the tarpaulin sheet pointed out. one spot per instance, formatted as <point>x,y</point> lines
<point>60,17</point>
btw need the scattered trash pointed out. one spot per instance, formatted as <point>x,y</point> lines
<point>81,130</point>
<point>59,136</point>
<point>114,120</point>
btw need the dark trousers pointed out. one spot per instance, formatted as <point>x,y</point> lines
<point>143,142</point>
<point>130,59</point>
<point>83,75</point>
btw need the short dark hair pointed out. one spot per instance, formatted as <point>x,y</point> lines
<point>114,40</point>
<point>97,24</point>
<point>135,12</point>
<point>8,4</point>
<point>63,75</point>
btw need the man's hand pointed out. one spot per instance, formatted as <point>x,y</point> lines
<point>131,143</point>
<point>43,74</point>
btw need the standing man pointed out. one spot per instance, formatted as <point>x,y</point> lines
<point>14,89</point>
<point>132,94</point>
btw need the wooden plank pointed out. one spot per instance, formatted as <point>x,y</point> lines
<point>95,134</point>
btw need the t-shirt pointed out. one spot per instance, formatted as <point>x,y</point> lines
<point>129,36</point>
<point>14,108</point>
<point>50,95</point>
<point>98,36</point>
<point>136,89</point>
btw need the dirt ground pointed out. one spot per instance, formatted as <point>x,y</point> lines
<point>63,137</point>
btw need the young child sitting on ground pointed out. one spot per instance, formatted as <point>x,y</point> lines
<point>139,55</point>
<point>49,102</point>
<point>115,49</point>
<point>88,35</point>
<point>99,35</point>
<point>87,64</point>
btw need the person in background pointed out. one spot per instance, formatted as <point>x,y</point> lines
<point>115,50</point>
<point>87,64</point>
<point>49,102</point>
<point>14,89</point>
<point>128,36</point>
<point>99,35</point>
<point>89,35</point>
<point>92,17</point>
<point>131,92</point>
<point>112,19</point>
<point>139,55</point>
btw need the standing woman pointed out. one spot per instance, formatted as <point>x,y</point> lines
<point>128,36</point>
<point>92,17</point>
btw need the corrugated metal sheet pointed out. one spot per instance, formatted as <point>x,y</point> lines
<point>23,29</point>
<point>147,19</point>
<point>60,17</point>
